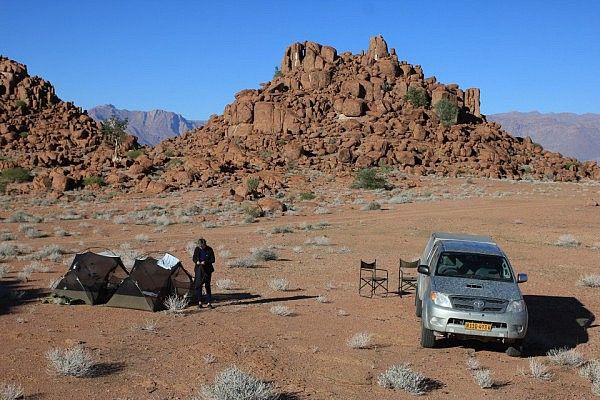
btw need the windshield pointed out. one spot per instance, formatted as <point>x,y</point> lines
<point>475,266</point>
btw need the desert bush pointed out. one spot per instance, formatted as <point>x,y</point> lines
<point>361,340</point>
<point>209,358</point>
<point>22,104</point>
<point>133,154</point>
<point>74,361</point>
<point>473,364</point>
<point>93,180</point>
<point>13,175</point>
<point>539,370</point>
<point>306,196</point>
<point>142,238</point>
<point>305,226</point>
<point>176,304</point>
<point>21,216</point>
<point>282,229</point>
<point>369,178</point>
<point>321,211</point>
<point>252,210</point>
<point>591,280</point>
<point>235,384</point>
<point>11,391</point>
<point>9,250</point>
<point>372,206</point>
<point>37,267</point>
<point>318,241</point>
<point>24,275</point>
<point>4,269</point>
<point>70,216</point>
<point>252,184</point>
<point>264,254</point>
<point>224,253</point>
<point>120,220</point>
<point>566,357</point>
<point>447,112</point>
<point>342,313</point>
<point>51,252</point>
<point>6,236</point>
<point>226,284</point>
<point>591,370</point>
<point>32,232</point>
<point>483,377</point>
<point>322,299</point>
<point>148,325</point>
<point>282,311</point>
<point>567,240</point>
<point>297,249</point>
<point>417,96</point>
<point>404,378</point>
<point>244,262</point>
<point>60,232</point>
<point>401,199</point>
<point>279,284</point>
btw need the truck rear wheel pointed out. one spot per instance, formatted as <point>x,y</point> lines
<point>427,337</point>
<point>418,305</point>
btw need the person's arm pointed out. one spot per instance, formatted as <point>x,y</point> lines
<point>211,256</point>
<point>196,256</point>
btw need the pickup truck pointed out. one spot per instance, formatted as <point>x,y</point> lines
<point>466,288</point>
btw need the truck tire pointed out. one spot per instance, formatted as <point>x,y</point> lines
<point>427,337</point>
<point>515,349</point>
<point>418,305</point>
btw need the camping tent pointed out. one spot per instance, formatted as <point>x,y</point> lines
<point>150,282</point>
<point>92,277</point>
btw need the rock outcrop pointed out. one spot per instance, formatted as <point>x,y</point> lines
<point>340,112</point>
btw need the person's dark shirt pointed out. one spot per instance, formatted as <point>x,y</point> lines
<point>207,255</point>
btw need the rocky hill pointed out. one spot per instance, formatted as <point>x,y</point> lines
<point>341,112</point>
<point>570,134</point>
<point>150,127</point>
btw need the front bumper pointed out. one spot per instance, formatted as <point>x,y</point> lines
<point>507,325</point>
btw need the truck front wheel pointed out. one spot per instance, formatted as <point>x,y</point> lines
<point>427,337</point>
<point>515,349</point>
<point>418,305</point>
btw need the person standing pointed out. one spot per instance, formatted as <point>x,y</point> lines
<point>204,258</point>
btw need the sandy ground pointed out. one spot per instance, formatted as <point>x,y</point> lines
<point>306,355</point>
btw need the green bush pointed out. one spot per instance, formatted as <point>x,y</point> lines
<point>417,97</point>
<point>21,104</point>
<point>447,112</point>
<point>170,153</point>
<point>93,180</point>
<point>307,196</point>
<point>174,163</point>
<point>252,211</point>
<point>252,184</point>
<point>11,175</point>
<point>133,154</point>
<point>276,73</point>
<point>369,178</point>
<point>23,134</point>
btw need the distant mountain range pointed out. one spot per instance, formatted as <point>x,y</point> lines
<point>150,127</point>
<point>570,134</point>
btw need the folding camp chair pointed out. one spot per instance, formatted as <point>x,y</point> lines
<point>406,277</point>
<point>369,277</point>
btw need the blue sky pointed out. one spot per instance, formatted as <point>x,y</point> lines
<point>191,57</point>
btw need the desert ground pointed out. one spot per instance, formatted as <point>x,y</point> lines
<point>306,354</point>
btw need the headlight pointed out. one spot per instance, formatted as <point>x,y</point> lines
<point>441,299</point>
<point>516,306</point>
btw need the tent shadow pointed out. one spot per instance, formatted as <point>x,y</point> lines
<point>233,296</point>
<point>13,294</point>
<point>105,369</point>
<point>274,299</point>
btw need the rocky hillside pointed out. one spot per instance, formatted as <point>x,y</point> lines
<point>341,112</point>
<point>569,134</point>
<point>150,127</point>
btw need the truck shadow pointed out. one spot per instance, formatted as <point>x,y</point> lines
<point>554,322</point>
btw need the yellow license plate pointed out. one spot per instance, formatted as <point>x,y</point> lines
<point>477,326</point>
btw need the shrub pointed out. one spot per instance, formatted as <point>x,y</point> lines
<point>322,299</point>
<point>360,340</point>
<point>279,284</point>
<point>592,280</point>
<point>372,206</point>
<point>483,377</point>
<point>224,253</point>
<point>226,284</point>
<point>565,356</point>
<point>13,175</point>
<point>4,269</point>
<point>11,392</point>
<point>473,364</point>
<point>244,262</point>
<point>321,210</point>
<point>539,370</point>
<point>305,196</point>
<point>447,112</point>
<point>93,180</point>
<point>31,232</point>
<point>264,254</point>
<point>318,241</point>
<point>22,104</point>
<point>282,229</point>
<point>176,304</point>
<point>252,210</point>
<point>403,377</point>
<point>282,311</point>
<point>133,154</point>
<point>276,72</point>
<point>567,240</point>
<point>417,96</point>
<point>74,361</point>
<point>591,370</point>
<point>6,236</point>
<point>21,216</point>
<point>209,358</point>
<point>252,184</point>
<point>143,238</point>
<point>369,178</point>
<point>148,326</point>
<point>235,384</point>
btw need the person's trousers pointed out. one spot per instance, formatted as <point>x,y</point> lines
<point>203,279</point>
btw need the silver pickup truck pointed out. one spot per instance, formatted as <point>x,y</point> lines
<point>467,289</point>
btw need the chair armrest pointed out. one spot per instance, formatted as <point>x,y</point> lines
<point>384,270</point>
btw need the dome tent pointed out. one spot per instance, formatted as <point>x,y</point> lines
<point>150,282</point>
<point>92,277</point>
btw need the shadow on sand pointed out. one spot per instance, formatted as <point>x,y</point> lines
<point>13,293</point>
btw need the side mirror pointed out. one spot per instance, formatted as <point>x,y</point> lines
<point>423,269</point>
<point>521,278</point>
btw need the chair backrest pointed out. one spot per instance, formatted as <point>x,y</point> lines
<point>409,264</point>
<point>368,265</point>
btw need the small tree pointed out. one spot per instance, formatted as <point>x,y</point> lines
<point>369,178</point>
<point>417,97</point>
<point>276,73</point>
<point>447,112</point>
<point>113,131</point>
